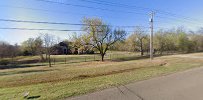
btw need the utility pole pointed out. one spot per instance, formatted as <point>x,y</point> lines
<point>151,35</point>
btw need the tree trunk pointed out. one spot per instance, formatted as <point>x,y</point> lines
<point>49,61</point>
<point>46,57</point>
<point>142,52</point>
<point>141,48</point>
<point>42,58</point>
<point>102,57</point>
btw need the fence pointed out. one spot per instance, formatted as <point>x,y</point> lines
<point>89,58</point>
<point>68,59</point>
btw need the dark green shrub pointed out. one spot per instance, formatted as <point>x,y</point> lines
<point>4,62</point>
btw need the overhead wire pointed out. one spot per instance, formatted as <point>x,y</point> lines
<point>68,4</point>
<point>42,29</point>
<point>60,23</point>
<point>101,2</point>
<point>89,7</point>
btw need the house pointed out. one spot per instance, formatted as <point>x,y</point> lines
<point>61,49</point>
<point>65,48</point>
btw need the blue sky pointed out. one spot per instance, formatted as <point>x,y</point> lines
<point>188,13</point>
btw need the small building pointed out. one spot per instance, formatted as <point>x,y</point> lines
<point>61,49</point>
<point>65,48</point>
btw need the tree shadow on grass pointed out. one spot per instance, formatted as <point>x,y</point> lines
<point>130,58</point>
<point>135,58</point>
<point>32,71</point>
<point>19,66</point>
<point>22,72</point>
<point>74,62</point>
<point>33,97</point>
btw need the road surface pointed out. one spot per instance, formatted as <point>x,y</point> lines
<point>187,85</point>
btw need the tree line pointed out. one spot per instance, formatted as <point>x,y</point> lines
<point>100,37</point>
<point>176,40</point>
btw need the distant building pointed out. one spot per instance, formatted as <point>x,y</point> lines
<point>65,48</point>
<point>61,49</point>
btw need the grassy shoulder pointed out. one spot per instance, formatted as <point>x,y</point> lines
<point>66,80</point>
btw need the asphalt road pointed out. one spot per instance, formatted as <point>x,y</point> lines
<point>187,85</point>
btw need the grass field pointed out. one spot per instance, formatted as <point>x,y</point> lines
<point>71,79</point>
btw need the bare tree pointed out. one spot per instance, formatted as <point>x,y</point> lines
<point>8,50</point>
<point>49,41</point>
<point>101,35</point>
<point>2,48</point>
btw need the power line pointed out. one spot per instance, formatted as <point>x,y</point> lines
<point>68,23</point>
<point>99,8</point>
<point>32,29</point>
<point>194,23</point>
<point>45,10</point>
<point>60,23</point>
<point>89,7</point>
<point>136,7</point>
<point>41,29</point>
<point>83,6</point>
<point>52,11</point>
<point>73,24</point>
<point>38,22</point>
<point>178,16</point>
<point>115,4</point>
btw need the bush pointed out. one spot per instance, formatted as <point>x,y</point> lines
<point>4,62</point>
<point>89,52</point>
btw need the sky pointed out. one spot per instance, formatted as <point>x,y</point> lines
<point>168,14</point>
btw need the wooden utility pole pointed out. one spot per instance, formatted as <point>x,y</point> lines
<point>151,35</point>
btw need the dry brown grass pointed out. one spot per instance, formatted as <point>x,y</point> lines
<point>57,73</point>
<point>64,80</point>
